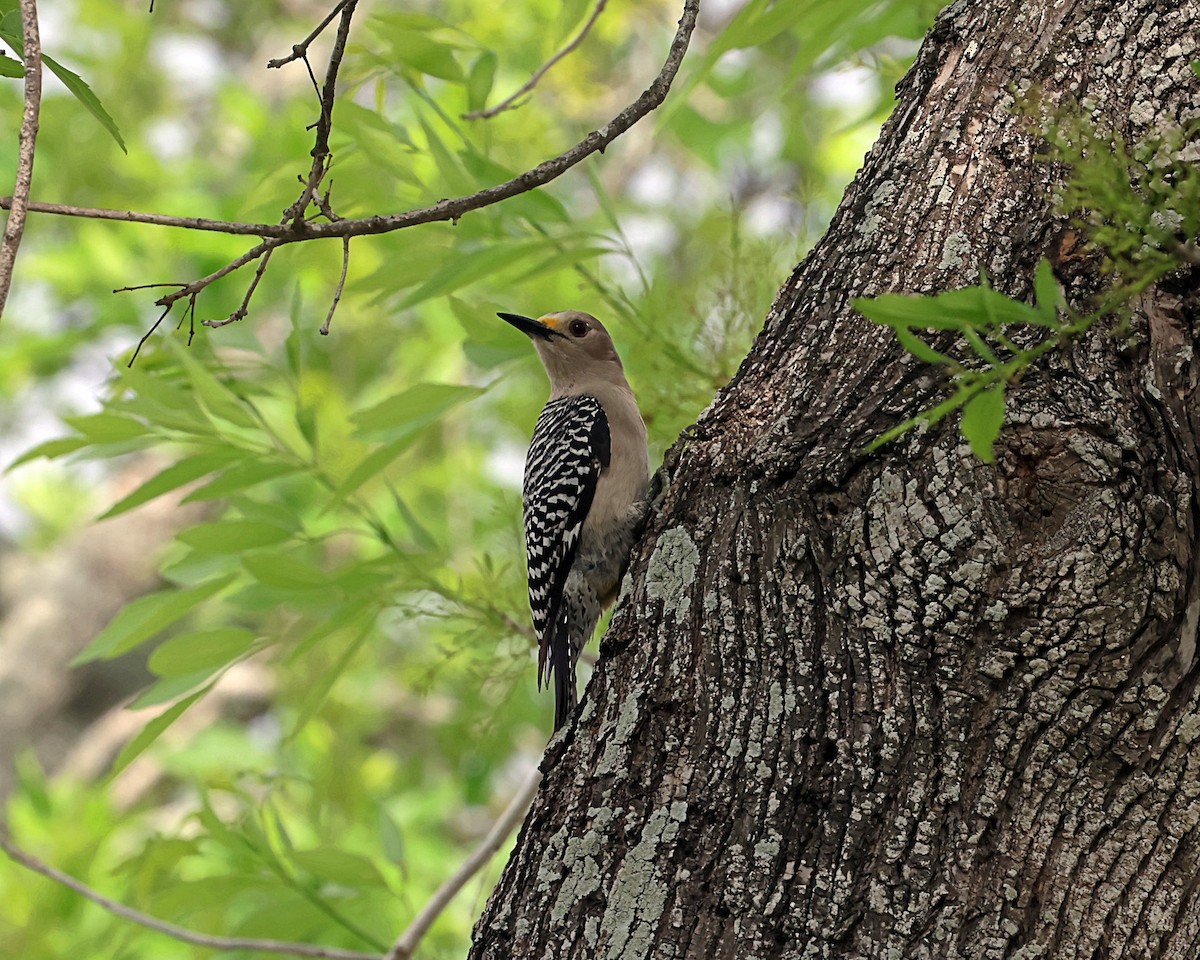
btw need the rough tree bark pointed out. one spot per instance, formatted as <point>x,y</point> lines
<point>912,705</point>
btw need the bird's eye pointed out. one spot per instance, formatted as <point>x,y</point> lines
<point>578,328</point>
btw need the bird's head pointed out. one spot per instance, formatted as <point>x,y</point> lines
<point>574,347</point>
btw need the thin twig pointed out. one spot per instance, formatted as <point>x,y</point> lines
<point>513,814</point>
<point>15,228</point>
<point>150,286</point>
<point>320,150</point>
<point>182,934</point>
<point>320,166</point>
<point>301,48</point>
<point>146,336</point>
<point>196,286</point>
<point>509,102</point>
<point>232,227</point>
<point>337,294</point>
<point>244,310</point>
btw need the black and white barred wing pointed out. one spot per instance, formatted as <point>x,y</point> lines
<point>570,448</point>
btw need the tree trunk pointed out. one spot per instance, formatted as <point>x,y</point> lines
<point>910,704</point>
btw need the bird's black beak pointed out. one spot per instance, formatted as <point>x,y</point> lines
<point>530,328</point>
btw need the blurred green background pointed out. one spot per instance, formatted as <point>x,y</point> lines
<point>300,555</point>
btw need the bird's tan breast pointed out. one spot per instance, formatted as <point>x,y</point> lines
<point>623,484</point>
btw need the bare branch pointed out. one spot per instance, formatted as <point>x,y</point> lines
<point>146,336</point>
<point>232,227</point>
<point>300,49</point>
<point>182,934</point>
<point>451,209</point>
<point>543,173</point>
<point>296,212</point>
<point>191,318</point>
<point>337,294</point>
<point>509,102</point>
<point>320,150</point>
<point>242,311</point>
<point>513,814</point>
<point>195,286</point>
<point>295,227</point>
<point>15,228</point>
<point>151,286</point>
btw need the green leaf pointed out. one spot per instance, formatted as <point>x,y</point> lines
<point>391,838</point>
<point>385,144</point>
<point>83,93</point>
<point>204,650</point>
<point>217,398</point>
<point>979,307</point>
<point>146,616</point>
<point>370,465</point>
<point>284,572</point>
<point>1046,289</point>
<point>11,68</point>
<point>107,427</point>
<point>73,82</point>
<point>420,533</point>
<point>919,348</point>
<point>340,867</point>
<point>157,401</point>
<point>905,310</point>
<point>232,536</point>
<point>982,418</point>
<point>426,55</point>
<point>240,476</point>
<point>51,450</point>
<point>410,410</point>
<point>450,170</point>
<point>489,340</point>
<point>175,476</point>
<point>319,689</point>
<point>987,309</point>
<point>166,689</point>
<point>480,80</point>
<point>152,731</point>
<point>467,266</point>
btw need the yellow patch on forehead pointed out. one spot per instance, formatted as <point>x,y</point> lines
<point>549,320</point>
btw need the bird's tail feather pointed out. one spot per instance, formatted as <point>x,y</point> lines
<point>562,665</point>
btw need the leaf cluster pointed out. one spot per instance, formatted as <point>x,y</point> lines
<point>993,329</point>
<point>1138,206</point>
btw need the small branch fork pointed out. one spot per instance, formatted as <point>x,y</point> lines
<point>296,214</point>
<point>296,227</point>
<point>406,945</point>
<point>300,50</point>
<point>14,230</point>
<point>402,949</point>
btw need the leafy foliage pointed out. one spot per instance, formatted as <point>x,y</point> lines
<point>989,325</point>
<point>1139,204</point>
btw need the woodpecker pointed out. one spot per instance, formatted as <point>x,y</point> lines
<point>586,482</point>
